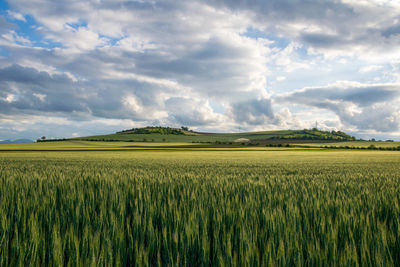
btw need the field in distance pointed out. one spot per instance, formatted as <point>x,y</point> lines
<point>197,208</point>
<point>165,137</point>
<point>166,134</point>
<point>172,137</point>
<point>78,145</point>
<point>354,144</point>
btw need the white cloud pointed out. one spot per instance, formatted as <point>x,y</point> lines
<point>9,98</point>
<point>192,112</point>
<point>166,61</point>
<point>370,68</point>
<point>12,37</point>
<point>142,112</point>
<point>16,15</point>
<point>42,97</point>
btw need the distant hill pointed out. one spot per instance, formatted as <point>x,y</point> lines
<point>156,130</point>
<point>167,134</point>
<point>18,141</point>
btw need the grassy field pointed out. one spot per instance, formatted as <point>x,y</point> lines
<point>155,134</point>
<point>79,146</point>
<point>76,145</point>
<point>163,137</point>
<point>197,208</point>
<point>364,144</point>
<point>83,145</point>
<point>195,137</point>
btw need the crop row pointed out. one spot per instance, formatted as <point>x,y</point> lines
<point>195,212</point>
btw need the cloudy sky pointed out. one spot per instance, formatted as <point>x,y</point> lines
<point>74,68</point>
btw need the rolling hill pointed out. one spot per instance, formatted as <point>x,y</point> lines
<point>167,134</point>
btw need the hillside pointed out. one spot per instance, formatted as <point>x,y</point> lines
<point>156,138</point>
<point>167,134</point>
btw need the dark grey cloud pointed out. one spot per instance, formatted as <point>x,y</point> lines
<point>5,26</point>
<point>361,94</point>
<point>290,9</point>
<point>26,90</point>
<point>31,91</point>
<point>253,112</point>
<point>16,73</point>
<point>363,106</point>
<point>322,40</point>
<point>333,25</point>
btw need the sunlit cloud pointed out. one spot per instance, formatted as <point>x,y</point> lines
<point>207,64</point>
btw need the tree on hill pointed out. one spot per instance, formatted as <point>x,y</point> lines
<point>154,130</point>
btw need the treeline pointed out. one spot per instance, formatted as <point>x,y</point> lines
<point>154,130</point>
<point>51,140</point>
<point>371,147</point>
<point>315,134</point>
<point>118,140</point>
<point>279,145</point>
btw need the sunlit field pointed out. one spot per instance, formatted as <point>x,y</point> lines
<point>78,145</point>
<point>356,144</point>
<point>197,208</point>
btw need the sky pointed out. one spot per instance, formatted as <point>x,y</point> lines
<point>78,68</point>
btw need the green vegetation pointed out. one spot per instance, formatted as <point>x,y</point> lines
<point>371,145</point>
<point>315,134</point>
<point>154,130</point>
<point>88,145</point>
<point>166,134</point>
<point>77,145</point>
<point>196,208</point>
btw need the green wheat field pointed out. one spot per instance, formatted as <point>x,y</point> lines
<point>184,207</point>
